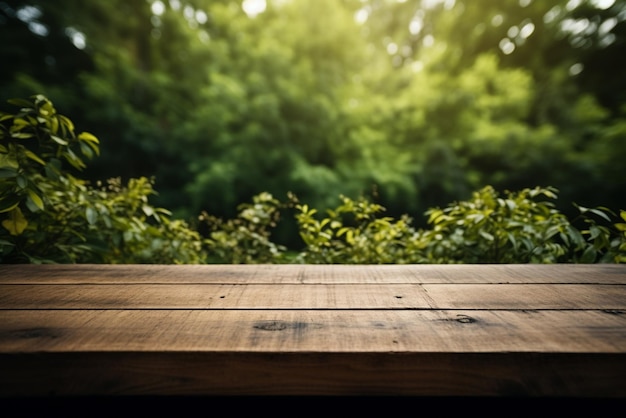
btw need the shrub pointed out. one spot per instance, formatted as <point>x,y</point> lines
<point>518,227</point>
<point>245,239</point>
<point>618,245</point>
<point>355,233</point>
<point>50,216</point>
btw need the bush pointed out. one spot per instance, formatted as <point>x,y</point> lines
<point>355,233</point>
<point>246,239</point>
<point>50,216</point>
<point>518,227</point>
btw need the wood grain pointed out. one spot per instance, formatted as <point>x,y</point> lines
<point>313,331</point>
<point>312,274</point>
<point>318,296</point>
<point>419,330</point>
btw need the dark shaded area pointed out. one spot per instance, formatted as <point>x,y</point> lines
<point>290,406</point>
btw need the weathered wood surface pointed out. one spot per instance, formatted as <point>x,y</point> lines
<point>423,330</point>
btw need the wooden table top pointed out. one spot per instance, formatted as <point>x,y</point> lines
<point>419,330</point>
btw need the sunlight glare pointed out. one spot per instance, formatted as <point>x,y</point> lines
<point>29,15</point>
<point>253,7</point>
<point>416,25</point>
<point>417,66</point>
<point>361,15</point>
<point>572,4</point>
<point>552,14</point>
<point>607,26</point>
<point>527,30</point>
<point>576,69</point>
<point>201,17</point>
<point>157,8</point>
<point>78,38</point>
<point>602,4</point>
<point>506,46</point>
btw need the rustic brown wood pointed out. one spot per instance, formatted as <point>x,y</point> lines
<point>421,330</point>
<point>307,296</point>
<point>336,374</point>
<point>274,331</point>
<point>307,274</point>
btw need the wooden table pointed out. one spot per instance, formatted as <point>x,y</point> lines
<point>324,330</point>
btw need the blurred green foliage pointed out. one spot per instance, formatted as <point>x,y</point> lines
<point>48,215</point>
<point>412,103</point>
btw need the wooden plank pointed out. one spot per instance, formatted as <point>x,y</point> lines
<point>317,296</point>
<point>210,296</point>
<point>280,331</point>
<point>428,330</point>
<point>312,274</point>
<point>349,374</point>
<point>526,296</point>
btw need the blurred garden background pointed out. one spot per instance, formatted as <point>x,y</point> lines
<point>413,104</point>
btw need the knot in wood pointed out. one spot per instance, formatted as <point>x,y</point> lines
<point>465,319</point>
<point>271,325</point>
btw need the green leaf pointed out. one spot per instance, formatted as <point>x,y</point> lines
<point>58,140</point>
<point>94,147</point>
<point>20,103</point>
<point>163,211</point>
<point>16,223</point>
<point>35,199</point>
<point>74,160</point>
<point>34,157</point>
<point>86,150</point>
<point>148,210</point>
<point>22,182</point>
<point>589,255</point>
<point>512,239</point>
<point>8,204</point>
<point>7,172</point>
<point>52,172</point>
<point>66,122</point>
<point>86,136</point>
<point>577,238</point>
<point>595,231</point>
<point>486,235</point>
<point>350,237</point>
<point>600,213</point>
<point>91,215</point>
<point>22,135</point>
